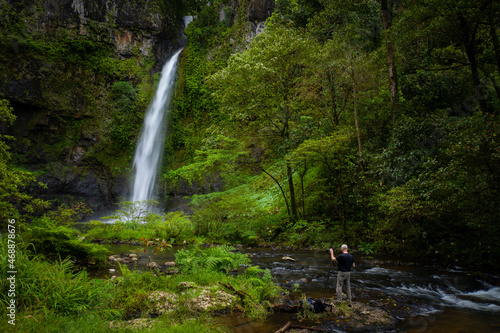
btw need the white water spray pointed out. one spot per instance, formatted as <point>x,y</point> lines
<point>187,20</point>
<point>148,152</point>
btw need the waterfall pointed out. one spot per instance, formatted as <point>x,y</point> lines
<point>149,149</point>
<point>187,20</point>
<point>148,153</point>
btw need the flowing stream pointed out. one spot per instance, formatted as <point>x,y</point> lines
<point>443,299</point>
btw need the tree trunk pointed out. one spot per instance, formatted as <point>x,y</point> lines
<point>386,14</point>
<point>471,54</point>
<point>293,202</point>
<point>281,188</point>
<point>334,116</point>
<point>496,44</point>
<point>494,37</point>
<point>358,134</point>
<point>302,175</point>
<point>496,47</point>
<point>342,200</point>
<point>469,38</point>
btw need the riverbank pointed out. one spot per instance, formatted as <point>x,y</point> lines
<point>371,310</point>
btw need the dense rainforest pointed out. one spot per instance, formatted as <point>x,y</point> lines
<point>367,122</point>
<point>300,123</point>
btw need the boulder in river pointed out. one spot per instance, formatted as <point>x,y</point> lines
<point>360,317</point>
<point>169,264</point>
<point>152,265</point>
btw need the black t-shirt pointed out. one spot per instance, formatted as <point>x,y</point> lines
<point>344,262</point>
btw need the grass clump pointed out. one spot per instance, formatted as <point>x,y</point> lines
<point>57,288</point>
<point>136,220</point>
<point>217,258</point>
<point>60,241</point>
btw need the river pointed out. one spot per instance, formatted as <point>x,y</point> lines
<point>444,299</point>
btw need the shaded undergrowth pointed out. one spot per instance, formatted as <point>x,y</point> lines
<point>57,297</point>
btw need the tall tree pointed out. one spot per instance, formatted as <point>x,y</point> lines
<point>452,34</point>
<point>352,68</point>
<point>334,153</point>
<point>387,13</point>
<point>259,87</point>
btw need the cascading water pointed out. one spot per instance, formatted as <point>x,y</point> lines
<point>149,148</point>
<point>148,152</point>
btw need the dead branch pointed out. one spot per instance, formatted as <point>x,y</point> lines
<point>289,325</point>
<point>239,292</point>
<point>284,328</point>
<point>308,328</point>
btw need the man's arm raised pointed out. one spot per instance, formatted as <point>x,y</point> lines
<point>332,255</point>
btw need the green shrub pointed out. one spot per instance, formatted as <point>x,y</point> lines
<point>305,233</point>
<point>54,286</point>
<point>175,226</point>
<point>57,241</point>
<point>139,221</point>
<point>217,258</point>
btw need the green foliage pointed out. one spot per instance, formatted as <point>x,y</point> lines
<point>54,286</point>
<point>58,241</point>
<point>67,215</point>
<point>219,157</point>
<point>269,72</point>
<point>79,70</point>
<point>258,90</point>
<point>370,248</point>
<point>447,192</point>
<point>136,220</point>
<point>299,11</point>
<point>203,272</point>
<point>303,233</point>
<point>13,180</point>
<point>174,226</point>
<point>329,163</point>
<point>60,298</point>
<point>300,115</point>
<point>413,143</point>
<point>126,118</point>
<point>256,204</point>
<point>133,213</point>
<point>415,177</point>
<point>217,258</point>
<point>359,18</point>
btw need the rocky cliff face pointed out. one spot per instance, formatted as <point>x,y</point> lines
<point>128,28</point>
<point>260,10</point>
<point>59,60</point>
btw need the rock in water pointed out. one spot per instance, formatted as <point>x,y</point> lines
<point>152,265</point>
<point>169,264</point>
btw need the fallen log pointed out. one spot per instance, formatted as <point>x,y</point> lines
<point>308,328</point>
<point>239,292</point>
<point>289,325</point>
<point>284,328</point>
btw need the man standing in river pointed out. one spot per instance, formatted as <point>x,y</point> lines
<point>345,262</point>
